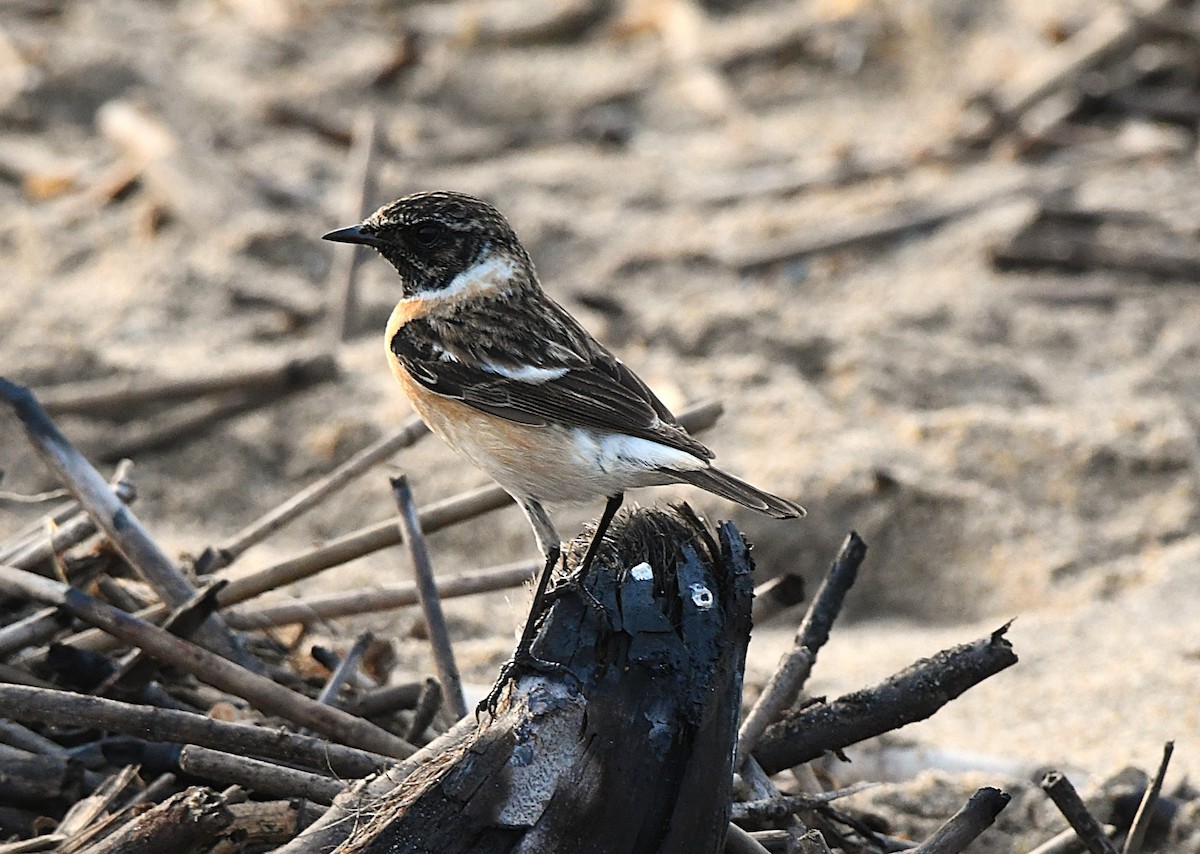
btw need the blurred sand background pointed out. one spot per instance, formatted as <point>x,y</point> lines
<point>1004,449</point>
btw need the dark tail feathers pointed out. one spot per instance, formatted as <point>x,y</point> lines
<point>727,486</point>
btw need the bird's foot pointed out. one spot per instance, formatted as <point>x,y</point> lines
<point>522,659</point>
<point>575,580</point>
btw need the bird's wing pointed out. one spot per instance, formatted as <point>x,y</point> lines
<point>546,370</point>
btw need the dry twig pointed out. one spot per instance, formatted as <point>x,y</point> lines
<point>431,603</point>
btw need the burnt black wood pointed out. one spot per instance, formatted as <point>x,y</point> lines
<point>649,693</point>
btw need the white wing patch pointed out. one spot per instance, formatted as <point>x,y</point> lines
<point>617,453</point>
<point>525,373</point>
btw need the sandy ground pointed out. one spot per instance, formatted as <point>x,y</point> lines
<point>1003,454</point>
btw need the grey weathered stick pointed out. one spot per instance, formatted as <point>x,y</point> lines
<point>23,738</point>
<point>33,630</point>
<point>125,393</point>
<point>312,495</point>
<point>73,529</point>
<point>427,707</point>
<point>1145,812</point>
<point>976,816</point>
<point>37,528</point>
<point>1090,833</point>
<point>344,669</point>
<point>431,603</point>
<point>761,787</point>
<point>111,516</point>
<point>265,778</point>
<point>384,701</point>
<point>787,680</point>
<point>36,537</point>
<point>155,791</point>
<point>207,667</point>
<point>365,541</point>
<point>386,598</point>
<point>93,816</point>
<point>343,292</point>
<point>330,660</point>
<point>72,525</point>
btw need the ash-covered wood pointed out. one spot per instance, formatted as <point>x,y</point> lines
<point>627,744</point>
<point>911,695</point>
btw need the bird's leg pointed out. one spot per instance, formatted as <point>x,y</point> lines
<point>523,656</point>
<point>610,510</point>
<point>577,577</point>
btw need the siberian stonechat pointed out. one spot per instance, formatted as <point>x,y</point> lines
<point>512,382</point>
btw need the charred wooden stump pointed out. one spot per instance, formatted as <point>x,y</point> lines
<point>627,748</point>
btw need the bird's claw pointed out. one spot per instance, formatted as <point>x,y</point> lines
<point>522,659</point>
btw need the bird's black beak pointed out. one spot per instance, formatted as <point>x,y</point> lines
<point>353,234</point>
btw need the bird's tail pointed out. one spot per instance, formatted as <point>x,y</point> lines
<point>727,486</point>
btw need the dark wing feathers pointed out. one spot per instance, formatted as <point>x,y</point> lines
<point>450,355</point>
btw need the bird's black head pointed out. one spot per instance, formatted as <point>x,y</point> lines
<point>432,238</point>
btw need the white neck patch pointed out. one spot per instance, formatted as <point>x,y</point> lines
<point>491,274</point>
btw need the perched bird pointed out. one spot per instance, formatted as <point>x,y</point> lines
<point>512,382</point>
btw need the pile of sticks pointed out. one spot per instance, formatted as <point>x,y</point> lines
<point>144,708</point>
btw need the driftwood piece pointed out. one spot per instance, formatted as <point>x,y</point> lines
<point>63,708</point>
<point>116,520</point>
<point>431,603</point>
<point>911,695</point>
<point>760,786</point>
<point>787,680</point>
<point>976,816</point>
<point>267,823</point>
<point>36,529</point>
<point>629,746</point>
<point>208,667</point>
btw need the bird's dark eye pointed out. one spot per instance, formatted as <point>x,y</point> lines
<point>429,234</point>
